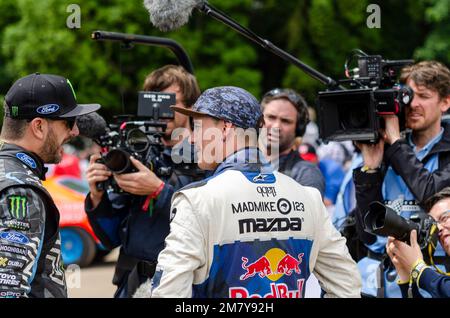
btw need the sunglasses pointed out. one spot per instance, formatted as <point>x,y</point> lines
<point>69,121</point>
<point>293,97</point>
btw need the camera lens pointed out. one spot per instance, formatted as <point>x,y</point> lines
<point>118,161</point>
<point>137,140</point>
<point>352,118</point>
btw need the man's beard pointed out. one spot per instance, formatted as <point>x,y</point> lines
<point>50,150</point>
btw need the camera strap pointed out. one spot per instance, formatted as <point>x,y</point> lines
<point>380,278</point>
<point>439,260</point>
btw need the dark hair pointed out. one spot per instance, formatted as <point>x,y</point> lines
<point>431,74</point>
<point>295,99</point>
<point>12,129</point>
<point>441,195</point>
<point>168,75</point>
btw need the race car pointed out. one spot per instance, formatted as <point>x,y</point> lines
<point>79,244</point>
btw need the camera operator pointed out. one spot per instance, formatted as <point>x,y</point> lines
<point>408,259</point>
<point>216,248</point>
<point>131,220</point>
<point>286,111</point>
<point>409,170</point>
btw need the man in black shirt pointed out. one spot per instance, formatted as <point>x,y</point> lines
<point>40,116</point>
<point>286,116</point>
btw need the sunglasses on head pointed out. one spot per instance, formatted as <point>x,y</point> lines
<point>286,93</point>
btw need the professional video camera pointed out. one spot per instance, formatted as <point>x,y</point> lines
<point>138,136</point>
<point>384,221</point>
<point>354,114</point>
<point>344,113</point>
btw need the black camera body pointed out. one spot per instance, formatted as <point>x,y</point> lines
<point>384,221</point>
<point>138,136</point>
<point>355,113</point>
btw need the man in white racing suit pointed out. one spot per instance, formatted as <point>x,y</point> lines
<point>247,231</point>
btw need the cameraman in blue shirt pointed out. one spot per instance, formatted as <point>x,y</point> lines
<point>408,170</point>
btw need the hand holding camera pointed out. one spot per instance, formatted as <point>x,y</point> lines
<point>96,173</point>
<point>404,256</point>
<point>392,129</point>
<point>372,153</point>
<point>142,182</point>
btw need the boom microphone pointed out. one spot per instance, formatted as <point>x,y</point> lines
<point>169,15</point>
<point>91,125</point>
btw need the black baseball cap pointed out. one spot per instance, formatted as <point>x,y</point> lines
<point>44,95</point>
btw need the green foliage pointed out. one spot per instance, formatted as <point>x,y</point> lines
<point>34,37</point>
<point>437,44</point>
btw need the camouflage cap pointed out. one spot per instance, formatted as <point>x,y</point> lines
<point>229,103</point>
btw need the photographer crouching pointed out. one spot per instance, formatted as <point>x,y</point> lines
<point>138,221</point>
<point>413,272</point>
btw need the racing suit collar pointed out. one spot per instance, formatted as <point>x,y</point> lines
<point>245,159</point>
<point>30,159</point>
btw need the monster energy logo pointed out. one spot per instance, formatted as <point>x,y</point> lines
<point>18,206</point>
<point>15,111</point>
<point>71,87</point>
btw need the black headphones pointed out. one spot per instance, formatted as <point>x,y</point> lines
<point>297,100</point>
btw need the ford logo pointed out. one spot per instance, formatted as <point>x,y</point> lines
<point>26,159</point>
<point>14,237</point>
<point>48,109</point>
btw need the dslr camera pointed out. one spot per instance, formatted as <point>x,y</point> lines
<point>384,221</point>
<point>138,136</point>
<point>355,113</point>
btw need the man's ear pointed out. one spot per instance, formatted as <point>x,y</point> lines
<point>39,128</point>
<point>445,104</point>
<point>227,129</point>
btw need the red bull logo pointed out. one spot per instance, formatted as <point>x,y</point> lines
<point>289,264</point>
<point>274,264</point>
<point>260,267</point>
<point>276,291</point>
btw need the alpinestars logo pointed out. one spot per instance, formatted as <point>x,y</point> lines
<point>17,205</point>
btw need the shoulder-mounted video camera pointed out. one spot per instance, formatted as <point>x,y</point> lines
<point>355,113</point>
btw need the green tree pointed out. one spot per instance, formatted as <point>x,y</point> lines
<point>437,43</point>
<point>37,39</point>
<point>34,37</point>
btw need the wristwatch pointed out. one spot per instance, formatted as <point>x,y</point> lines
<point>367,169</point>
<point>417,270</point>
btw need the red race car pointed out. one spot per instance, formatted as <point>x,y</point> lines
<point>79,244</point>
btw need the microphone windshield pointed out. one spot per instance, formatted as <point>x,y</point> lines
<point>169,15</point>
<point>91,125</point>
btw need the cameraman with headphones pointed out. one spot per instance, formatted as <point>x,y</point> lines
<point>286,116</point>
<point>409,170</point>
<point>138,221</point>
<point>408,259</point>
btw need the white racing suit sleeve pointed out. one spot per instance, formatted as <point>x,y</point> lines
<point>336,271</point>
<point>22,215</point>
<point>184,253</point>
